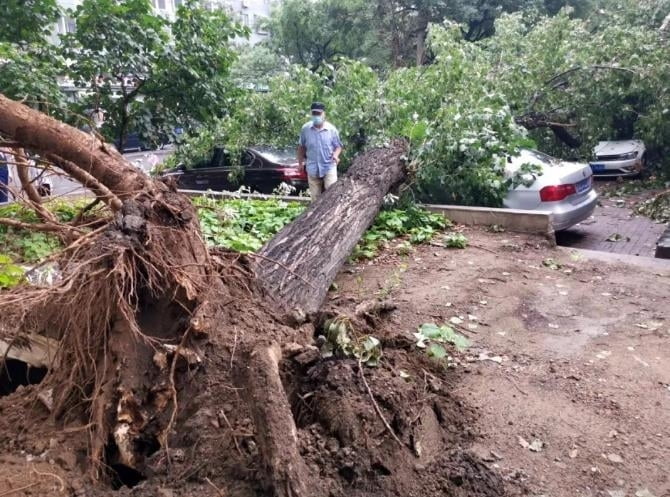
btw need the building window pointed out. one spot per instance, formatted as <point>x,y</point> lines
<point>159,4</point>
<point>177,3</point>
<point>70,25</point>
<point>245,19</point>
<point>260,24</point>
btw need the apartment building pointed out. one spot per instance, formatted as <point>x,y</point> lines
<point>251,13</point>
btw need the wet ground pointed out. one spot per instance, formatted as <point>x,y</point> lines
<point>567,366</point>
<point>614,227</point>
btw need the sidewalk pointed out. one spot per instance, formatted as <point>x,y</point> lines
<point>634,235</point>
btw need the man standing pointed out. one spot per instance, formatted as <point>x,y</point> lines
<point>319,147</point>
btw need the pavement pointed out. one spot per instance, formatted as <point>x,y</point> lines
<point>614,228</point>
<point>63,186</point>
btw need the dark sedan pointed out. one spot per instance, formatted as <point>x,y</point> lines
<point>265,168</point>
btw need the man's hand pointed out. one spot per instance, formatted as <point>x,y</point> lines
<point>301,166</point>
<point>337,160</point>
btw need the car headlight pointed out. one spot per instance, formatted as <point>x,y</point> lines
<point>628,156</point>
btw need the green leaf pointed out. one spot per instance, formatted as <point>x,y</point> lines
<point>437,351</point>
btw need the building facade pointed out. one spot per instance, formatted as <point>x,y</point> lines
<point>251,13</point>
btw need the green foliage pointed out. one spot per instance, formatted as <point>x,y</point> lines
<point>312,32</point>
<point>29,65</point>
<point>10,274</point>
<point>605,77</point>
<point>348,88</point>
<point>432,338</point>
<point>656,208</point>
<point>341,340</point>
<point>255,66</point>
<point>456,240</point>
<point>148,74</point>
<point>32,246</point>
<point>27,21</point>
<point>191,84</point>
<point>417,224</point>
<point>243,225</point>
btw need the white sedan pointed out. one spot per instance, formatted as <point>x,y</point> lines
<point>619,158</point>
<point>563,188</point>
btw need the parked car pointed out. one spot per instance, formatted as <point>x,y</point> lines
<point>619,158</point>
<point>563,188</point>
<point>265,168</point>
<point>132,143</point>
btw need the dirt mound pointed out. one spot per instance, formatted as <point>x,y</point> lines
<point>214,442</point>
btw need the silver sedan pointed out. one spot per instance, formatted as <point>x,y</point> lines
<point>563,188</point>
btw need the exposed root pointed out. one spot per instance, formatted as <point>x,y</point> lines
<point>286,474</point>
<point>101,312</point>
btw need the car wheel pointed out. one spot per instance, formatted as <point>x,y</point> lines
<point>644,170</point>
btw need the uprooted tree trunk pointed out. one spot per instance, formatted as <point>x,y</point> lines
<point>129,306</point>
<point>299,264</point>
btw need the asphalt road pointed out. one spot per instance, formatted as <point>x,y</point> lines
<point>63,186</point>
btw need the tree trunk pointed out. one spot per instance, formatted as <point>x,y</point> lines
<point>137,300</point>
<point>40,133</point>
<point>421,33</point>
<point>299,264</point>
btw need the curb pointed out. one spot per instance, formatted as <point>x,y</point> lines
<point>519,221</point>
<point>663,245</point>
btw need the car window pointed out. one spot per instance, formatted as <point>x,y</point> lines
<point>246,158</point>
<point>220,157</point>
<point>539,157</point>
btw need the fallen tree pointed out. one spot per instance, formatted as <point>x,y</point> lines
<point>158,337</point>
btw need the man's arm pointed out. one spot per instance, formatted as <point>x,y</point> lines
<point>337,146</point>
<point>336,154</point>
<point>301,158</point>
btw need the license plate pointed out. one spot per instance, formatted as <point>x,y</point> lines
<point>583,185</point>
<point>597,168</point>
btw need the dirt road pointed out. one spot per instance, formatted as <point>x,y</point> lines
<point>568,363</point>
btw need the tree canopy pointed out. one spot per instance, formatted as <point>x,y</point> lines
<point>147,74</point>
<point>559,83</point>
<point>29,64</point>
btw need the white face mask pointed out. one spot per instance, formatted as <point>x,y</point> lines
<point>317,120</point>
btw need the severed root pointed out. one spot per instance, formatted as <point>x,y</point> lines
<point>277,436</point>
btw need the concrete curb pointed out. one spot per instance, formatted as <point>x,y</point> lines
<point>663,245</point>
<point>519,221</point>
<point>648,263</point>
<point>248,196</point>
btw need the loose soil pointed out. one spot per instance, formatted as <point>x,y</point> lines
<point>583,354</point>
<point>572,357</point>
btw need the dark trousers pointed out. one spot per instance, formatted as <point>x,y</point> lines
<point>4,181</point>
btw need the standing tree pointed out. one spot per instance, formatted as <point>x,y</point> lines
<point>29,65</point>
<point>313,32</point>
<point>147,74</point>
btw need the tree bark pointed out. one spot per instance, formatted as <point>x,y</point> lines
<point>43,134</point>
<point>299,264</point>
<point>129,302</point>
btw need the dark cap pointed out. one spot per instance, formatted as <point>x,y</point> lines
<point>318,106</point>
